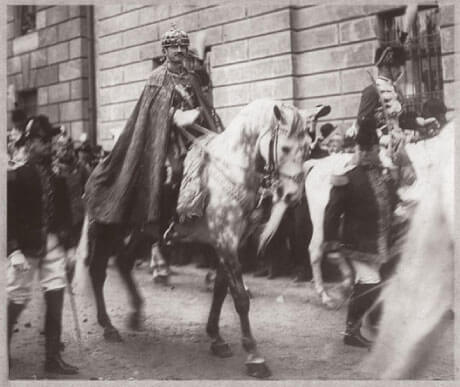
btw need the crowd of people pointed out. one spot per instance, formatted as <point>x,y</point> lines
<point>49,175</point>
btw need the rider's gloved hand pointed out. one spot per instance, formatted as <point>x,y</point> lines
<point>19,261</point>
<point>184,118</point>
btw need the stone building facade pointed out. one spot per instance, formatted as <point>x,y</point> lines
<point>301,54</point>
<point>47,67</point>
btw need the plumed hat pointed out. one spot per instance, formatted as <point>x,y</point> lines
<point>38,127</point>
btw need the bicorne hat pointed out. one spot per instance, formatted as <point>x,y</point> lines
<point>390,54</point>
<point>38,127</point>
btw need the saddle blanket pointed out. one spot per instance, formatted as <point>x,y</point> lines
<point>193,193</point>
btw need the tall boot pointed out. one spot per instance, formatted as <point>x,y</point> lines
<point>53,327</point>
<point>362,298</point>
<point>14,310</point>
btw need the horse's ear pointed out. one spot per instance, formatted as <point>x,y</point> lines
<point>277,112</point>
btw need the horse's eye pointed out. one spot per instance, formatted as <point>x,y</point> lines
<point>286,149</point>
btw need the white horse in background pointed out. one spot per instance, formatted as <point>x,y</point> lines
<point>317,188</point>
<point>418,300</point>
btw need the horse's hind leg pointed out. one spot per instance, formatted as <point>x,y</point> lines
<point>125,262</point>
<point>218,346</point>
<point>255,364</point>
<point>99,254</point>
<point>318,281</point>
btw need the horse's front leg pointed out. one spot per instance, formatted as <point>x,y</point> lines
<point>125,262</point>
<point>218,346</point>
<point>98,258</point>
<point>255,364</point>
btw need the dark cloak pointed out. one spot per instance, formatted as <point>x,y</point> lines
<point>126,186</point>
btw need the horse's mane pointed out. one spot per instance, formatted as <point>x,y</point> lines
<point>258,116</point>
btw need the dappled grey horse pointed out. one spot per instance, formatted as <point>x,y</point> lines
<point>264,132</point>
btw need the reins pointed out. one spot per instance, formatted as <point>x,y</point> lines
<point>269,177</point>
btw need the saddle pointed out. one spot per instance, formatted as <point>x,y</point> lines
<point>193,194</point>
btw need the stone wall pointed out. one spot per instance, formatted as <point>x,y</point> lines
<point>250,55</point>
<point>301,54</point>
<point>333,49</point>
<point>53,59</point>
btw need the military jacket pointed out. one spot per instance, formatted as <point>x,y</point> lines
<point>358,215</point>
<point>38,204</point>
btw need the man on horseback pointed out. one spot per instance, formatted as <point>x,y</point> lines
<point>38,230</point>
<point>128,187</point>
<point>365,194</point>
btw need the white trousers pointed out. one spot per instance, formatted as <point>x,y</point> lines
<point>366,273</point>
<point>51,272</point>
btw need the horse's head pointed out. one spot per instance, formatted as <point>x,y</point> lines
<point>284,149</point>
<point>393,152</point>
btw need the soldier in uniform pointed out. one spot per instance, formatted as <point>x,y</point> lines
<point>128,186</point>
<point>38,229</point>
<point>365,196</point>
<point>358,216</point>
<point>381,103</point>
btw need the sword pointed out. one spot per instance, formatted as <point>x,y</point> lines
<point>73,305</point>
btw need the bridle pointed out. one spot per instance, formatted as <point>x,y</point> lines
<point>270,176</point>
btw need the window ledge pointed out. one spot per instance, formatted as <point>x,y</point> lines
<point>25,43</point>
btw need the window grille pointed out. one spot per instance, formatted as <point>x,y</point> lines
<point>422,79</point>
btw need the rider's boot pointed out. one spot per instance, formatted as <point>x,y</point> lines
<point>53,327</point>
<point>362,298</point>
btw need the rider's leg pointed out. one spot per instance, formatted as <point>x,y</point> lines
<point>300,240</point>
<point>365,293</point>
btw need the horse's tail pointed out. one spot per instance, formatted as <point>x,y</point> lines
<point>272,225</point>
<point>81,281</point>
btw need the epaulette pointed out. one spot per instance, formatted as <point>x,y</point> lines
<point>340,178</point>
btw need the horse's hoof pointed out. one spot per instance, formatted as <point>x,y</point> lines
<point>135,321</point>
<point>161,280</point>
<point>258,370</point>
<point>327,301</point>
<point>112,335</point>
<point>221,350</point>
<point>330,304</point>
